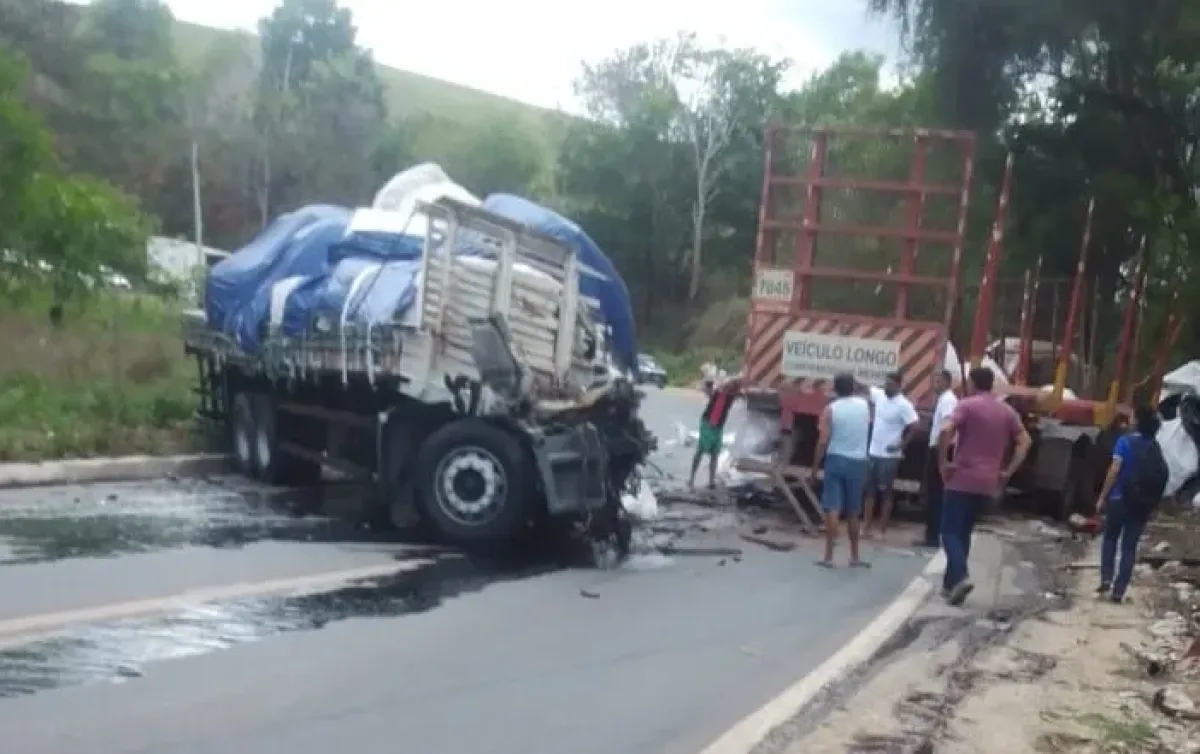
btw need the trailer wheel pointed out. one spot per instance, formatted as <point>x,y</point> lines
<point>473,483</point>
<point>241,422</point>
<point>272,465</point>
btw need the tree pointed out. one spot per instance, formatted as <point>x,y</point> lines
<point>69,230</point>
<point>318,94</point>
<point>127,106</point>
<point>81,230</point>
<point>24,152</point>
<point>707,120</point>
<point>1095,98</point>
<point>216,113</point>
<point>630,160</point>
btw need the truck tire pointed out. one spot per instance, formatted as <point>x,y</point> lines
<point>474,483</point>
<point>271,464</point>
<point>242,431</point>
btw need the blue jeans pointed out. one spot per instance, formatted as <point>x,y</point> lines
<point>1123,526</point>
<point>842,487</point>
<point>959,511</point>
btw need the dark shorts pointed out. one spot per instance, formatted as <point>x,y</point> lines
<point>842,485</point>
<point>883,473</point>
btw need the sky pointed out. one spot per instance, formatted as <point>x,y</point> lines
<point>532,50</point>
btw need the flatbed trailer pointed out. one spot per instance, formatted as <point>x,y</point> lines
<point>483,409</point>
<point>855,273</point>
<point>1074,433</point>
<point>872,287</point>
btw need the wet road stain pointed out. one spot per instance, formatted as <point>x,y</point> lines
<point>120,651</point>
<point>38,526</point>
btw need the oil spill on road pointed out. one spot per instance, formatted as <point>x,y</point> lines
<point>120,651</point>
<point>42,525</point>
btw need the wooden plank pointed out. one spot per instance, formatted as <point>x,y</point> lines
<point>799,473</point>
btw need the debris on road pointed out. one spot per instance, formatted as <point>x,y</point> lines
<point>771,544</point>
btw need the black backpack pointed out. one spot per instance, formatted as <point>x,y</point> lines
<point>1144,488</point>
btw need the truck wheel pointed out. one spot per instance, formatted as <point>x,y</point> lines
<point>243,431</point>
<point>473,483</point>
<point>271,464</point>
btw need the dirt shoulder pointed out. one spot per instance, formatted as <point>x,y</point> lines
<point>1033,663</point>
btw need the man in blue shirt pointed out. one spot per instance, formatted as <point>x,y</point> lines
<point>1124,522</point>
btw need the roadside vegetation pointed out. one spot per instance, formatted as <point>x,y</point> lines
<point>110,380</point>
<point>118,122</point>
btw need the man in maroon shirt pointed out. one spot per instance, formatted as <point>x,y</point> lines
<point>984,425</point>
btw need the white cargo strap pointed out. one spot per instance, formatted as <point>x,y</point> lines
<point>354,286</point>
<point>280,293</point>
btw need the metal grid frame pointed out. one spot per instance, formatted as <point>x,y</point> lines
<point>770,318</point>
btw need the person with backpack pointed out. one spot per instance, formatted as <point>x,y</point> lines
<point>1132,490</point>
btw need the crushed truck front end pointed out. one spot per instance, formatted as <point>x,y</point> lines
<point>856,270</point>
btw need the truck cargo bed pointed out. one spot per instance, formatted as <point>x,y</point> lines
<point>475,267</point>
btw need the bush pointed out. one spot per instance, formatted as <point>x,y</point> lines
<point>112,379</point>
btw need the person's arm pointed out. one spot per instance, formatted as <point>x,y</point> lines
<point>1018,432</point>
<point>946,437</point>
<point>911,420</point>
<point>1120,452</point>
<point>822,437</point>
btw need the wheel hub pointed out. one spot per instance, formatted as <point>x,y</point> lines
<point>471,486</point>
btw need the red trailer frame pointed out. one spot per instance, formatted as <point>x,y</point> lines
<point>783,303</point>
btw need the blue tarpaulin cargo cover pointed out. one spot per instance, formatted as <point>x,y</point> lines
<point>609,290</point>
<point>310,252</point>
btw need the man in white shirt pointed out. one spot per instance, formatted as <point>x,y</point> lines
<point>895,420</point>
<point>946,402</point>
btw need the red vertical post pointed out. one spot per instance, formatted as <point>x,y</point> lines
<point>1170,334</point>
<point>915,209</point>
<point>1131,306</point>
<point>1068,335</point>
<point>763,255</point>
<point>991,265</point>
<point>964,200</point>
<point>762,246</point>
<point>1135,351</point>
<point>806,244</point>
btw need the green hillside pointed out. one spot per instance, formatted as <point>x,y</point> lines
<point>408,94</point>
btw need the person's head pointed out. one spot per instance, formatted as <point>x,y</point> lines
<point>843,385</point>
<point>943,381</point>
<point>1146,421</point>
<point>982,379</point>
<point>891,384</point>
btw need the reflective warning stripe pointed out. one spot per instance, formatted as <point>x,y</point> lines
<point>922,350</point>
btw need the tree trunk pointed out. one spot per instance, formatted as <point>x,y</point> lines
<point>697,244</point>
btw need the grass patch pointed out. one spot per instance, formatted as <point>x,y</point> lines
<point>1128,733</point>
<point>112,379</point>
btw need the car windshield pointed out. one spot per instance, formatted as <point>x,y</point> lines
<point>646,361</point>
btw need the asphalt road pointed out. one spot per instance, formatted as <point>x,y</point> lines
<point>658,656</point>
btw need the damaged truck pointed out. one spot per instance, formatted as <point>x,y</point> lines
<point>450,354</point>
